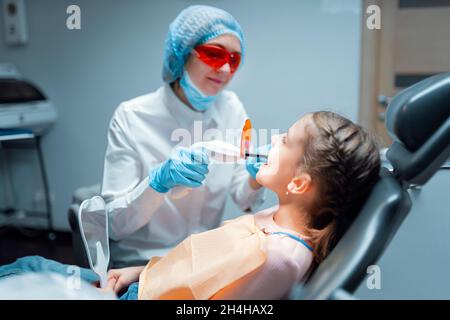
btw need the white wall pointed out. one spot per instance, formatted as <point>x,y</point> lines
<point>302,56</point>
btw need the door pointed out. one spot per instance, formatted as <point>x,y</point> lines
<point>412,44</point>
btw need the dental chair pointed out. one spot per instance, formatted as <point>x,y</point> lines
<point>418,121</point>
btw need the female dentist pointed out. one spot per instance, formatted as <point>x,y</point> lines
<point>203,50</point>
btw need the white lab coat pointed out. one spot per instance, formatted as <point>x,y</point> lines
<point>142,134</point>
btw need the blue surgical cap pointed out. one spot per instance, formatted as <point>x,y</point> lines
<point>193,26</point>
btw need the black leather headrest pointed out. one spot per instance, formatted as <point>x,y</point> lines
<point>418,121</point>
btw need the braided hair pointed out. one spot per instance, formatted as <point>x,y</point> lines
<point>345,161</point>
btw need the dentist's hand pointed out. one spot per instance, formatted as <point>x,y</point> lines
<point>253,164</point>
<point>186,167</point>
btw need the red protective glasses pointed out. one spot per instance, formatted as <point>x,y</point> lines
<point>215,56</point>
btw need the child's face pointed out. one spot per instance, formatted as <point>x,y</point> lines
<point>283,161</point>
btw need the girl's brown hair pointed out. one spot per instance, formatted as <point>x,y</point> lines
<point>345,161</point>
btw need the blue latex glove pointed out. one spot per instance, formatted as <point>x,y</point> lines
<point>253,163</point>
<point>186,167</point>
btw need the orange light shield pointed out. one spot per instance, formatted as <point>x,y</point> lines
<point>246,138</point>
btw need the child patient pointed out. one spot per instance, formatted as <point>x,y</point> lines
<point>322,170</point>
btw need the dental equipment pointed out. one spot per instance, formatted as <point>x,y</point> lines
<point>93,223</point>
<point>223,152</point>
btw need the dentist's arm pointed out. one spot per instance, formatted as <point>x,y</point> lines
<point>130,201</point>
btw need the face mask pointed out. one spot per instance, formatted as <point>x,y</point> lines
<point>196,98</point>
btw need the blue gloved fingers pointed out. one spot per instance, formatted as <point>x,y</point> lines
<point>190,183</point>
<point>252,169</point>
<point>185,171</point>
<point>182,180</point>
<point>196,159</point>
<point>155,180</point>
<point>251,160</point>
<point>186,167</point>
<point>199,156</point>
<point>199,168</point>
<point>252,164</point>
<point>181,154</point>
<point>193,156</point>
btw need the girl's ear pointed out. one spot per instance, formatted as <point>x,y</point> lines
<point>300,184</point>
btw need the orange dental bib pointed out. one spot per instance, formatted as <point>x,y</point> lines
<point>204,263</point>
